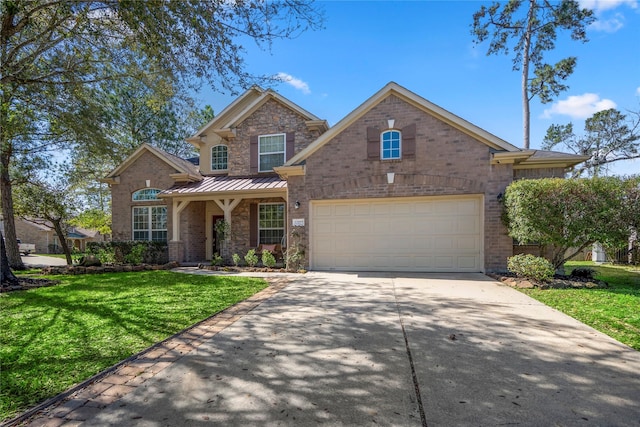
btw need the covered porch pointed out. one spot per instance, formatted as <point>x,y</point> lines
<point>253,209</point>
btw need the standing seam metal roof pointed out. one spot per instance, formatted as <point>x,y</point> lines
<point>214,184</point>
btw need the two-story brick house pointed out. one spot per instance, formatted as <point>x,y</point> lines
<point>399,184</point>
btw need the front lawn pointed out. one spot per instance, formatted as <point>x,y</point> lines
<point>614,311</point>
<point>52,338</point>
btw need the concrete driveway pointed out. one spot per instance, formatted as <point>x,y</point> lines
<point>371,349</point>
<point>36,261</point>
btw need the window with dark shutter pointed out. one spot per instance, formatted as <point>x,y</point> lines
<point>253,154</point>
<point>290,145</point>
<point>373,143</point>
<point>409,141</point>
<point>253,225</point>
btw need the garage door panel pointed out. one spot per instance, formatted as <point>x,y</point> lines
<point>414,234</point>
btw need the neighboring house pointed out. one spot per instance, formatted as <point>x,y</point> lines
<point>399,184</point>
<point>42,234</point>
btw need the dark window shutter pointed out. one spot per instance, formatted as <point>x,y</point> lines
<point>253,225</point>
<point>409,141</point>
<point>253,153</point>
<point>373,143</point>
<point>289,145</point>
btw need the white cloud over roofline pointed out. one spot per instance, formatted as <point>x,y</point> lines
<point>579,106</point>
<point>295,82</point>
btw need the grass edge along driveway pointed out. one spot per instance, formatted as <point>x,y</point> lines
<point>614,311</point>
<point>52,338</point>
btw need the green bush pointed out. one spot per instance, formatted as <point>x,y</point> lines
<point>217,260</point>
<point>154,253</point>
<point>106,255</point>
<point>268,260</point>
<point>236,259</point>
<point>136,255</point>
<point>531,267</point>
<point>251,258</point>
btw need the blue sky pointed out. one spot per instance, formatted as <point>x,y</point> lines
<point>427,47</point>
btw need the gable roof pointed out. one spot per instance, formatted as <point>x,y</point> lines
<point>502,149</point>
<point>418,102</point>
<point>185,170</point>
<point>245,105</point>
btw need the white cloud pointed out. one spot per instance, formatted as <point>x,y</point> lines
<point>579,106</point>
<point>607,21</point>
<point>610,25</point>
<point>600,5</point>
<point>638,91</point>
<point>295,82</point>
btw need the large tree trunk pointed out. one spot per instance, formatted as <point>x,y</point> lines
<point>6,276</point>
<point>11,240</point>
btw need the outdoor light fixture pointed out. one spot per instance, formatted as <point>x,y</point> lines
<point>148,182</point>
<point>296,205</point>
<point>390,177</point>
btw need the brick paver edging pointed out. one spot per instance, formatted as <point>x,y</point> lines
<point>80,402</point>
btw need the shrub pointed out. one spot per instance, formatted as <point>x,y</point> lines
<point>583,272</point>
<point>106,256</point>
<point>531,267</point>
<point>251,258</point>
<point>154,253</point>
<point>136,254</point>
<point>217,260</point>
<point>268,260</point>
<point>236,259</point>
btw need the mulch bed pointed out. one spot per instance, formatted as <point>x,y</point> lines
<point>558,282</point>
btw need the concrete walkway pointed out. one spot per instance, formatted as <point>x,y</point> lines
<point>372,349</point>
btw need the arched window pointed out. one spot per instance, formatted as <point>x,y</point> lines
<point>219,158</point>
<point>390,145</point>
<point>145,194</point>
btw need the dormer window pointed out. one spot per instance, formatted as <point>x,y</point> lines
<point>390,145</point>
<point>271,151</point>
<point>219,158</point>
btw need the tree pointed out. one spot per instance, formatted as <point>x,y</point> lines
<point>93,219</point>
<point>50,204</point>
<point>609,137</point>
<point>53,54</point>
<point>563,214</point>
<point>533,27</point>
<point>6,275</point>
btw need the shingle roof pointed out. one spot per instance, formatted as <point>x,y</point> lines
<point>217,184</point>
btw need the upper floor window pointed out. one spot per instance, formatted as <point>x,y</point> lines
<point>219,158</point>
<point>146,194</point>
<point>271,152</point>
<point>390,145</point>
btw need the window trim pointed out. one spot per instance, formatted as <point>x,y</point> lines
<point>149,230</point>
<point>382,149</point>
<point>146,199</point>
<point>226,160</point>
<point>284,150</point>
<point>284,220</point>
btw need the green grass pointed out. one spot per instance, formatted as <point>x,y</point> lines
<point>52,338</point>
<point>614,311</point>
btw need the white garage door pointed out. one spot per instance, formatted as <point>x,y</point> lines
<point>428,234</point>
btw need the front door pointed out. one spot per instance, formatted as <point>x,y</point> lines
<point>216,245</point>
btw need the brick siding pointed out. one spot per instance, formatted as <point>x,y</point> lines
<point>446,162</point>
